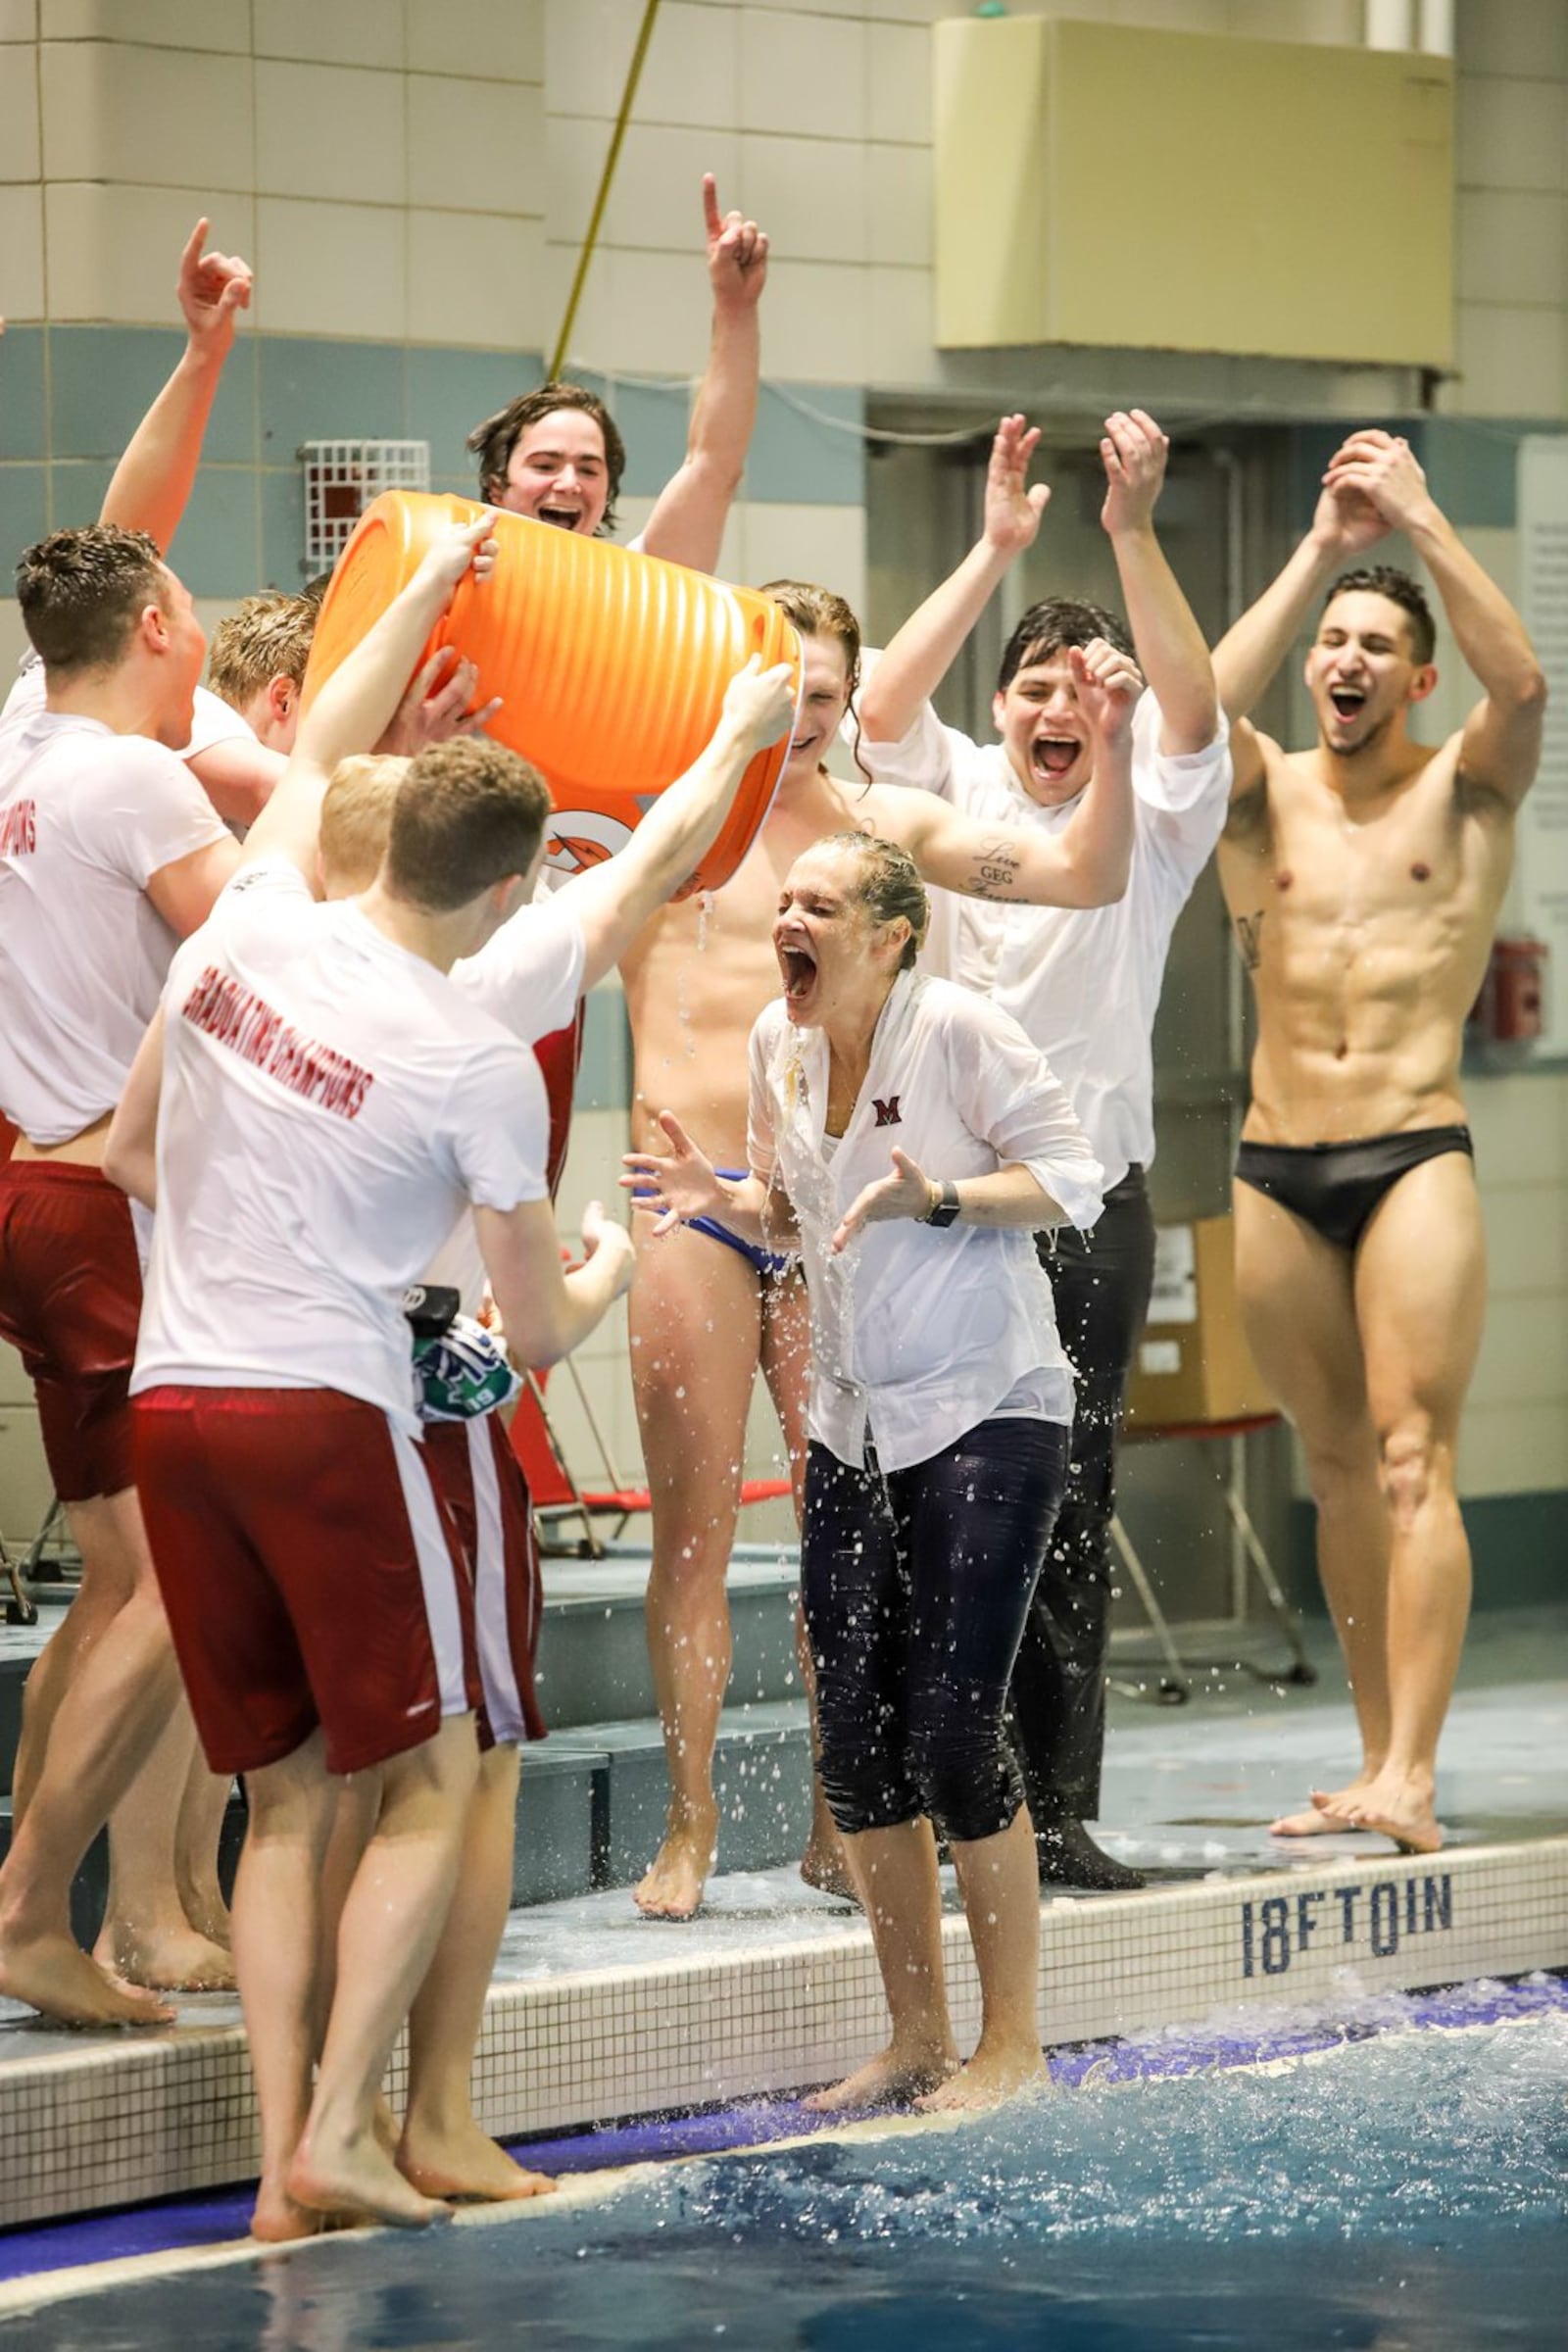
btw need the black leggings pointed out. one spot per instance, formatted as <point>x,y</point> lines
<point>915,1586</point>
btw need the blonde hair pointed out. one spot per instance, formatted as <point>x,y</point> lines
<point>890,887</point>
<point>266,637</point>
<point>357,819</point>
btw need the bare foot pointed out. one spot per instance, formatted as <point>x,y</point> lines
<point>208,1914</point>
<point>1315,1822</point>
<point>53,1975</point>
<point>990,2077</point>
<point>672,1886</point>
<point>357,2177</point>
<point>1395,1806</point>
<point>277,2220</point>
<point>823,1866</point>
<point>467,2164</point>
<point>894,2078</point>
<point>164,1960</point>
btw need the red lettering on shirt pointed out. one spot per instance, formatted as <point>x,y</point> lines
<point>246,1023</point>
<point>19,829</point>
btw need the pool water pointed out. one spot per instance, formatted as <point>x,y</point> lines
<point>1391,2186</point>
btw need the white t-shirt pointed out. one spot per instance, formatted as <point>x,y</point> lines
<point>329,1102</point>
<point>87,818</point>
<point>920,1333</point>
<point>215,720</point>
<point>1083,983</point>
<point>528,978</point>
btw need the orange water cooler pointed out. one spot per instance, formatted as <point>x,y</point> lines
<point>611,665</point>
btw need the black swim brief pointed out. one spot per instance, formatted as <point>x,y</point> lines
<point>1335,1187</point>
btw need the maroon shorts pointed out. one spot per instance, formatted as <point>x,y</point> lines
<point>311,1572</point>
<point>69,1303</point>
<point>480,1480</point>
<point>558,1057</point>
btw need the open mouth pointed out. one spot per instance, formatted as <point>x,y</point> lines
<point>1054,755</point>
<point>1348,701</point>
<point>565,518</point>
<point>799,967</point>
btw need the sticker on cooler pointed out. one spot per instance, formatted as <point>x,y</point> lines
<point>576,838</point>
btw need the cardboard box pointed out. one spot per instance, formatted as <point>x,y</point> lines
<point>1193,1363</point>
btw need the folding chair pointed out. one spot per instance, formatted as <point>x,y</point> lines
<point>554,1488</point>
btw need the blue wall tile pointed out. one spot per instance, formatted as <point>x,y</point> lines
<point>24,514</point>
<point>795,460</point>
<point>652,422</point>
<point>283,506</point>
<point>23,422</point>
<point>325,391</point>
<point>102,380</point>
<point>216,549</point>
<point>76,491</point>
<point>450,392</point>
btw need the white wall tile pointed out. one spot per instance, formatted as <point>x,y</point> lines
<point>476,279</point>
<point>1523,1354</point>
<point>656,200</point>
<point>802,75</point>
<point>18,20</point>
<point>347,32</point>
<point>808,194</point>
<point>899,224</point>
<point>642,312</point>
<point>818,321</point>
<point>1512,36</point>
<point>588,48</point>
<point>20,145</point>
<point>903,322</point>
<point>476,146</point>
<point>329,130</point>
<point>155,117</point>
<point>21,253</point>
<point>1510,360</point>
<point>899,83</point>
<point>1512,247</point>
<point>330,269</point>
<point>1527,1240</point>
<point>24,1482</point>
<point>825,545</point>
<point>1513,1449</point>
<point>1511,134</point>
<point>1518,1127</point>
<point>169,24</point>
<point>475,36</point>
<point>111,251</point>
<point>690,74</point>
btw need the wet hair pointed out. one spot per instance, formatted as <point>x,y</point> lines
<point>266,637</point>
<point>822,612</point>
<point>468,815</point>
<point>1385,579</point>
<point>493,441</point>
<point>357,818</point>
<point>1051,627</point>
<point>890,886</point>
<point>83,592</point>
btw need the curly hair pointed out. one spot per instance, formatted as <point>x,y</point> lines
<point>493,441</point>
<point>80,593</point>
<point>1385,579</point>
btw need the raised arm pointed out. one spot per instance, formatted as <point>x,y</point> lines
<point>1500,748</point>
<point>360,696</point>
<point>1171,649</point>
<point>613,901</point>
<point>153,479</point>
<point>687,524</point>
<point>1088,862</point>
<point>925,649</point>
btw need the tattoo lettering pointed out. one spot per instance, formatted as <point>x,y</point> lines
<point>1249,938</point>
<point>995,874</point>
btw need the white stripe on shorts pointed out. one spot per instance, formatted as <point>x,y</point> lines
<point>502,1698</point>
<point>437,1573</point>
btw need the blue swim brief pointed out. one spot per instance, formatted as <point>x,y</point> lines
<point>763,1261</point>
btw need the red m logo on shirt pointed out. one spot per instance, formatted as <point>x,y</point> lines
<point>887,1113</point>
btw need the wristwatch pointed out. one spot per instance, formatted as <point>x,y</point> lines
<point>945,1210</point>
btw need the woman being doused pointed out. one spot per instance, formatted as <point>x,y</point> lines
<point>907,1140</point>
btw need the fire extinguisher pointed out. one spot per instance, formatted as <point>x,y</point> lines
<point>1510,1009</point>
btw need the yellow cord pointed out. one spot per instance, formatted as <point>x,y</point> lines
<point>558,359</point>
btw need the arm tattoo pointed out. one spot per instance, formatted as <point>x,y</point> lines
<point>994,873</point>
<point>1249,938</point>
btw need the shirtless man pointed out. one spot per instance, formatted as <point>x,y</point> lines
<point>109,852</point>
<point>555,453</point>
<point>706,1309</point>
<point>1363,878</point>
